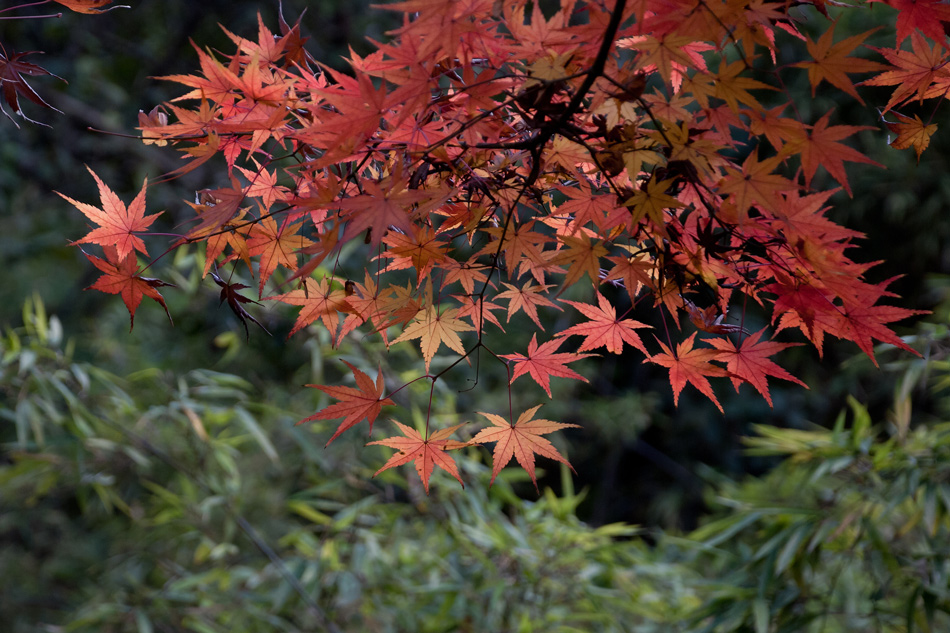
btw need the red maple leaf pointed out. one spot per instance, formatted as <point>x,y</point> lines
<point>378,209</point>
<point>230,292</point>
<point>356,404</point>
<point>604,329</point>
<point>117,223</point>
<point>749,362</point>
<point>426,453</point>
<point>13,85</point>
<point>832,64</point>
<point>820,147</point>
<point>690,365</point>
<point>930,16</point>
<point>861,323</point>
<point>543,361</point>
<point>521,440</point>
<point>121,278</point>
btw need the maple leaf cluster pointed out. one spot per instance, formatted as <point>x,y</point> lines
<point>490,157</point>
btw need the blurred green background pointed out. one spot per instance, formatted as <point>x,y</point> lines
<point>154,480</point>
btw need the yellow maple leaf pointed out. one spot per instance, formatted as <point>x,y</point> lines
<point>433,329</point>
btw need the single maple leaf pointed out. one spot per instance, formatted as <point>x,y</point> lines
<point>318,301</point>
<point>426,453</point>
<point>521,440</point>
<point>356,404</point>
<point>910,133</point>
<point>733,87</point>
<point>117,223</point>
<point>234,235</point>
<point>433,329</point>
<point>121,278</point>
<point>862,323</point>
<point>930,16</point>
<point>923,71</point>
<point>89,6</point>
<point>520,243</point>
<point>830,62</point>
<point>749,362</point>
<point>218,83</point>
<point>527,298</point>
<point>543,361</point>
<point>230,293</point>
<point>263,185</point>
<point>479,311</point>
<point>13,85</point>
<point>820,146</point>
<point>671,55</point>
<point>803,218</point>
<point>690,365</point>
<point>379,208</point>
<point>420,249</point>
<point>650,201</point>
<point>156,118</point>
<point>755,184</point>
<point>604,329</point>
<point>215,208</point>
<point>276,246</point>
<point>583,256</point>
<point>636,270</point>
<point>799,304</point>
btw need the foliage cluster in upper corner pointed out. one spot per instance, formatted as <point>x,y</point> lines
<point>492,158</point>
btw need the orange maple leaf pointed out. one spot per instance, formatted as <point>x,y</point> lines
<point>911,133</point>
<point>650,201</point>
<point>733,88</point>
<point>365,401</point>
<point>755,184</point>
<point>426,453</point>
<point>690,365</point>
<point>542,362</point>
<point>521,440</point>
<point>234,235</point>
<point>121,278</point>
<point>583,256</point>
<point>433,329</point>
<point>318,301</point>
<point>117,223</point>
<point>527,298</point>
<point>89,6</point>
<point>604,329</point>
<point>749,362</point>
<point>276,246</point>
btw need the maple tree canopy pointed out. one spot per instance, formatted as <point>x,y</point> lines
<point>490,156</point>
